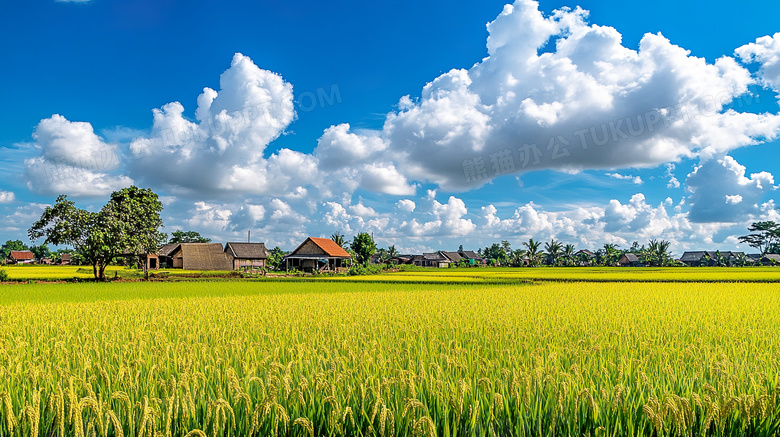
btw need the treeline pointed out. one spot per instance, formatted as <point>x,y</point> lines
<point>555,253</point>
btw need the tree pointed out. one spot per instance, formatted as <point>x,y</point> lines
<point>135,213</point>
<point>609,255</point>
<point>129,223</point>
<point>41,252</point>
<point>392,252</point>
<point>179,236</point>
<point>11,245</point>
<point>568,255</point>
<point>553,249</point>
<point>506,252</point>
<point>517,257</point>
<point>364,247</point>
<point>765,237</point>
<point>275,257</point>
<point>338,238</point>
<point>657,253</point>
<point>534,256</point>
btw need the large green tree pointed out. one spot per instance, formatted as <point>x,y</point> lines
<point>364,247</point>
<point>135,213</point>
<point>12,245</point>
<point>179,236</point>
<point>128,224</point>
<point>764,236</point>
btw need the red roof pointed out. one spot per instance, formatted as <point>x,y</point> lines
<point>22,255</point>
<point>330,247</point>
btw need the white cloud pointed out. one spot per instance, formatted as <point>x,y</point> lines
<point>7,196</point>
<point>765,51</point>
<point>223,149</point>
<point>635,179</point>
<point>721,192</point>
<point>587,102</point>
<point>406,205</point>
<point>73,160</point>
<point>673,181</point>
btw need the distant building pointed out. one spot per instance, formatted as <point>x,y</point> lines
<point>320,254</point>
<point>453,257</point>
<point>21,257</point>
<point>629,260</point>
<point>200,256</point>
<point>65,259</point>
<point>434,259</point>
<point>770,259</point>
<point>703,258</point>
<point>247,255</point>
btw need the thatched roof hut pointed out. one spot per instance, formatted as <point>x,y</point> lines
<point>201,256</point>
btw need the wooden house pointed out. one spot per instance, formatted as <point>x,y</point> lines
<point>320,254</point>
<point>629,260</point>
<point>21,257</point>
<point>65,259</point>
<point>247,255</point>
<point>200,256</point>
<point>434,259</point>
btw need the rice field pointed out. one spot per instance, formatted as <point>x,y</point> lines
<point>314,358</point>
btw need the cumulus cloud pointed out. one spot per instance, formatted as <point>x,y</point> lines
<point>73,160</point>
<point>406,205</point>
<point>222,150</point>
<point>721,192</point>
<point>7,196</point>
<point>556,92</point>
<point>766,52</point>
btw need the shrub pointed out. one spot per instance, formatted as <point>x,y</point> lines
<point>4,276</point>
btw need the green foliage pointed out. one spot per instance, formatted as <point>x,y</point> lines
<point>11,245</point>
<point>338,238</point>
<point>274,261</point>
<point>359,269</point>
<point>128,223</point>
<point>532,252</point>
<point>179,236</point>
<point>4,276</point>
<point>765,236</point>
<point>41,251</point>
<point>364,247</point>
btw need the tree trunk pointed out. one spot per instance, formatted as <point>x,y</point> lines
<point>94,269</point>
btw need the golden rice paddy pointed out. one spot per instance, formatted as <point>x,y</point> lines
<point>381,359</point>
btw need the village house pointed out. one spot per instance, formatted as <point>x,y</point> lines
<point>629,260</point>
<point>247,255</point>
<point>703,258</point>
<point>200,256</point>
<point>165,255</point>
<point>317,254</point>
<point>21,257</point>
<point>435,259</point>
<point>65,259</point>
<point>470,256</point>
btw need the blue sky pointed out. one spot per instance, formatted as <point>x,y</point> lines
<point>103,66</point>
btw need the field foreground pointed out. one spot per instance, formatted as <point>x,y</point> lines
<point>351,358</point>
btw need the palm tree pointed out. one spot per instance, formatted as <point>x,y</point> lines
<point>338,238</point>
<point>609,255</point>
<point>658,253</point>
<point>517,257</point>
<point>392,252</point>
<point>553,249</point>
<point>568,254</point>
<point>533,251</point>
